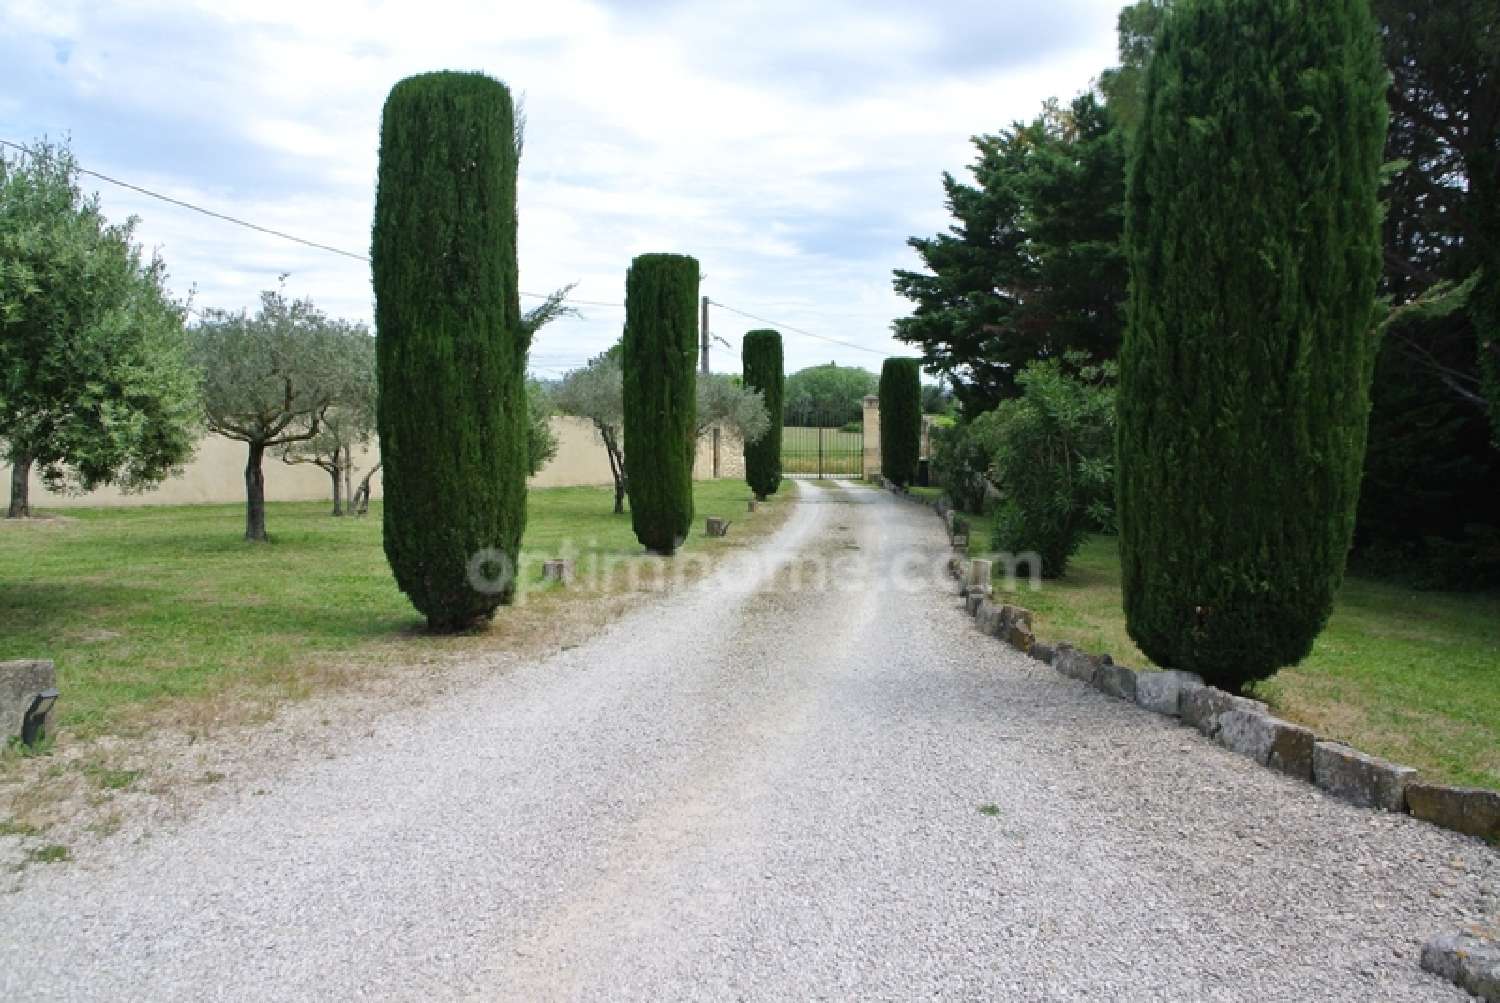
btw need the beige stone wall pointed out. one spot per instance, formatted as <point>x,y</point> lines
<point>217,474</point>
<point>872,436</point>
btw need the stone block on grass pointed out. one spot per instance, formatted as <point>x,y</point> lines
<point>989,617</point>
<point>1470,810</point>
<point>20,682</point>
<point>1161,692</point>
<point>1360,779</point>
<point>1202,707</point>
<point>1044,653</point>
<point>1119,681</point>
<point>1268,740</point>
<point>1019,636</point>
<point>1077,664</point>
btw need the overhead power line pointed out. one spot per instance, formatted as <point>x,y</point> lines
<point>269,231</point>
<point>796,330</point>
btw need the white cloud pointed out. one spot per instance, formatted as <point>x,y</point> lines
<point>791,147</point>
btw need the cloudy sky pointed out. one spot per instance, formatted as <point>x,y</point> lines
<point>791,147</point>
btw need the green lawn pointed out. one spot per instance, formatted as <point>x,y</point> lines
<point>1411,676</point>
<point>151,612</point>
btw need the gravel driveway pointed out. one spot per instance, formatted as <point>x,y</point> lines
<point>749,792</point>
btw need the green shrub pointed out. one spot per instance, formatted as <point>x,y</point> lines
<point>1052,457</point>
<point>761,359</point>
<point>451,350</point>
<point>900,420</point>
<point>661,396</point>
<point>1253,233</point>
<point>961,465</point>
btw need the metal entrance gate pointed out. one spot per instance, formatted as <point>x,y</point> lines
<point>823,447</point>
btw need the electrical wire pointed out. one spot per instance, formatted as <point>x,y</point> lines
<point>795,330</point>
<point>269,231</point>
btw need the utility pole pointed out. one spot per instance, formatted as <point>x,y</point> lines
<point>703,340</point>
<point>703,367</point>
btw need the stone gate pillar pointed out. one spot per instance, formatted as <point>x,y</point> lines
<point>872,437</point>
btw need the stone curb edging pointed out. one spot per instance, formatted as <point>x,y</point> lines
<point>1242,725</point>
<point>1471,960</point>
<point>1468,960</point>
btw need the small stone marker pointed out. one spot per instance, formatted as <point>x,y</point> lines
<point>753,505</point>
<point>557,571</point>
<point>20,682</point>
<point>717,526</point>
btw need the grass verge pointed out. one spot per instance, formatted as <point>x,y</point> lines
<point>1410,676</point>
<point>149,612</point>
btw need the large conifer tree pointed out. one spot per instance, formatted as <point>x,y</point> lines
<point>661,396</point>
<point>1254,244</point>
<point>451,348</point>
<point>900,420</point>
<point>761,358</point>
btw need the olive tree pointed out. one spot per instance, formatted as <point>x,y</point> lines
<point>96,385</point>
<point>596,392</point>
<point>269,380</point>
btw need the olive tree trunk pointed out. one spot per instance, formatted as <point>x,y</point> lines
<point>255,494</point>
<point>20,487</point>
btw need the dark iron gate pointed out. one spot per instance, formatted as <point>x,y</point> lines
<point>823,446</point>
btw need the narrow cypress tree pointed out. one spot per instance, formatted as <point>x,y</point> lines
<point>762,364</point>
<point>900,420</point>
<point>661,396</point>
<point>1254,245</point>
<point>451,349</point>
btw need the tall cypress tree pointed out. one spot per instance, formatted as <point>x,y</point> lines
<point>762,364</point>
<point>900,420</point>
<point>660,349</point>
<point>451,349</point>
<point>1253,232</point>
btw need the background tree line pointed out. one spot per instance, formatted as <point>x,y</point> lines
<point>1032,270</point>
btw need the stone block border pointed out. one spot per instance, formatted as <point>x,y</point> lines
<point>1468,960</point>
<point>1239,724</point>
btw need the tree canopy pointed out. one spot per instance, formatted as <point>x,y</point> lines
<point>831,394</point>
<point>1032,266</point>
<point>270,379</point>
<point>96,385</point>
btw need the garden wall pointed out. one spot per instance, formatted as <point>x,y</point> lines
<point>217,474</point>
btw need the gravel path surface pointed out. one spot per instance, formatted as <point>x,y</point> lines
<point>750,792</point>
